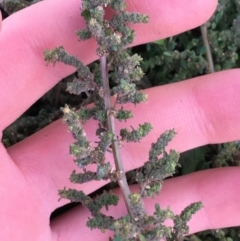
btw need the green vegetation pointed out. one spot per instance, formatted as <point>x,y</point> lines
<point>112,36</point>
<point>164,61</point>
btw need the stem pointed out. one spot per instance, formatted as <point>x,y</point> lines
<point>207,46</point>
<point>115,147</point>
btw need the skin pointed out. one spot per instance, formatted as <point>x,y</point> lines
<point>202,110</point>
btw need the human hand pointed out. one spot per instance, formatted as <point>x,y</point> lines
<point>202,110</point>
<point>0,20</point>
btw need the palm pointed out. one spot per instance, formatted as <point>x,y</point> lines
<point>33,170</point>
<point>21,205</point>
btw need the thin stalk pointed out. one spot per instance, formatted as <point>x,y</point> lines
<point>207,46</point>
<point>115,147</point>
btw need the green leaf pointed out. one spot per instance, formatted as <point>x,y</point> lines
<point>183,63</point>
<point>86,14</point>
<point>159,42</point>
<point>168,54</point>
<point>148,47</point>
<point>117,238</point>
<point>142,238</point>
<point>193,160</point>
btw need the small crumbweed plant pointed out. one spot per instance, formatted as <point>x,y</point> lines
<point>112,37</point>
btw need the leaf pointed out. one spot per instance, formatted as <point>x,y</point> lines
<point>193,160</point>
<point>117,238</point>
<point>148,47</point>
<point>159,42</point>
<point>86,14</point>
<point>142,238</point>
<point>167,54</point>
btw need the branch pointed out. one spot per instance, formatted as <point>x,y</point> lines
<point>115,147</point>
<point>207,46</point>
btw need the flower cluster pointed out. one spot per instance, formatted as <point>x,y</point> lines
<point>112,36</point>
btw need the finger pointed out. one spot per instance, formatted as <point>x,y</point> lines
<point>216,189</point>
<point>25,35</point>
<point>202,110</point>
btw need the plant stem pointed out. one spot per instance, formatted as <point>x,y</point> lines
<point>115,147</point>
<point>207,46</point>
